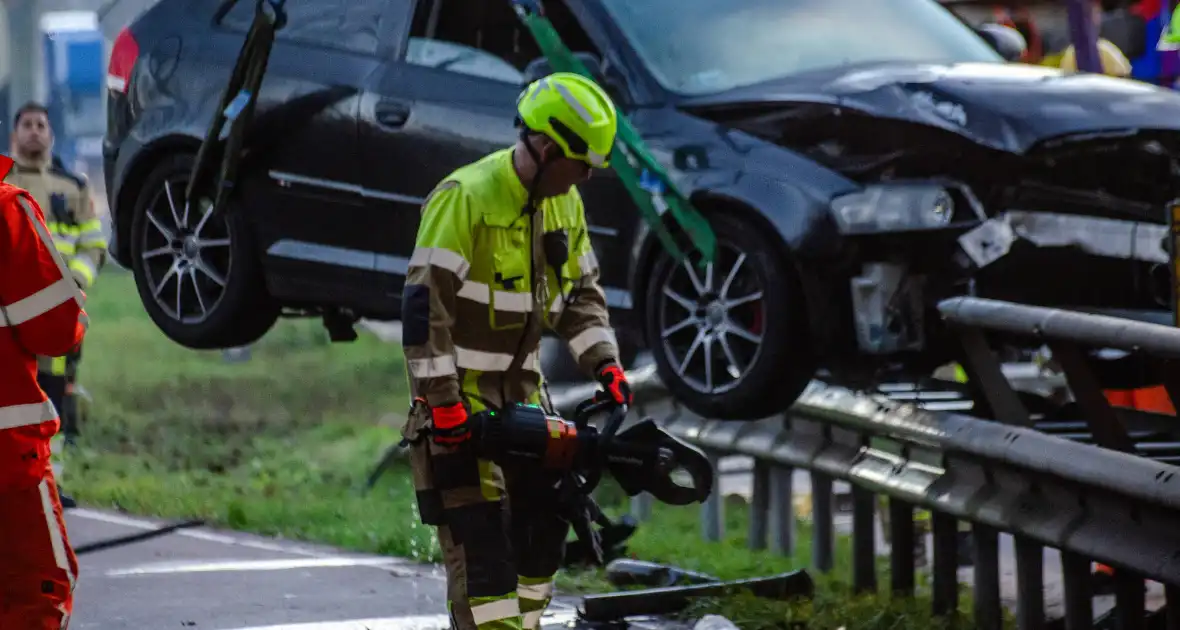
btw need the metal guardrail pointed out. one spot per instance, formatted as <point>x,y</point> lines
<point>1071,336</point>
<point>1091,503</point>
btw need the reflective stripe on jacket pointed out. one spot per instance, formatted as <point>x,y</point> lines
<point>65,199</point>
<point>77,232</point>
<point>42,315</point>
<point>470,306</point>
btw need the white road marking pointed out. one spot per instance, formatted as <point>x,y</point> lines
<point>207,566</point>
<point>413,622</point>
<point>134,523</point>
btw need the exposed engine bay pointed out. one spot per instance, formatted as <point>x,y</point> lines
<point>1075,221</point>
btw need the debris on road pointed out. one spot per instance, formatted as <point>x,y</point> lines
<point>714,622</point>
<point>628,572</point>
<point>673,599</point>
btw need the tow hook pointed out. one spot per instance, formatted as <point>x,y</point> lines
<point>341,325</point>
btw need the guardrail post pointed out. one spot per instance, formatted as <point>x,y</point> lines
<point>782,510</point>
<point>1104,423</point>
<point>641,506</point>
<point>901,547</point>
<point>945,596</point>
<point>822,526</point>
<point>1172,610</point>
<point>713,509</point>
<point>1030,583</point>
<point>1079,592</point>
<point>994,396</point>
<point>1130,599</point>
<point>988,607</point>
<point>1171,378</point>
<point>864,541</point>
<point>760,505</point>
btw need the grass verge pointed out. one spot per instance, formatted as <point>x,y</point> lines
<point>282,444</point>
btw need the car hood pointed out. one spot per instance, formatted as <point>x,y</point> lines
<point>1011,107</point>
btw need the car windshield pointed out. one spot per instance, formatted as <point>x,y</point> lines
<point>696,47</point>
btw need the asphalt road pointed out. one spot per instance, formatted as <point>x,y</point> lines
<point>209,580</point>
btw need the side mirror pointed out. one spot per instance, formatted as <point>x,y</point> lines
<point>1004,39</point>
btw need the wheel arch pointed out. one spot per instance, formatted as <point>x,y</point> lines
<point>146,159</point>
<point>786,240</point>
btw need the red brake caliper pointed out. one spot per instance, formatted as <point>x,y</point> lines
<point>756,326</point>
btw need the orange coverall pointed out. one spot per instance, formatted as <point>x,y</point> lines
<point>40,314</point>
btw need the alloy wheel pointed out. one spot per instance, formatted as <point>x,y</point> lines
<point>186,254</point>
<point>711,320</point>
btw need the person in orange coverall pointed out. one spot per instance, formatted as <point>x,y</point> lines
<point>41,313</point>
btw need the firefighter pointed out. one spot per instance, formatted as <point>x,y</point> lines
<point>78,236</point>
<point>41,315</point>
<point>503,252</point>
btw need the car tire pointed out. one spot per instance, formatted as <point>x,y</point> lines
<point>223,302</point>
<point>751,320</point>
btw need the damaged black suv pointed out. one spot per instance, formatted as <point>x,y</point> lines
<point>858,160</point>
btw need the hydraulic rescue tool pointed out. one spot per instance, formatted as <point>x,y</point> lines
<point>641,458</point>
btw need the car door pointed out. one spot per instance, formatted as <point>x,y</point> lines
<point>309,216</point>
<point>443,104</point>
<point>440,105</point>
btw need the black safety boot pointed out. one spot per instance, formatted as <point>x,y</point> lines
<point>67,501</point>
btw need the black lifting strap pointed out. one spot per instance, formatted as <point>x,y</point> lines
<point>225,136</point>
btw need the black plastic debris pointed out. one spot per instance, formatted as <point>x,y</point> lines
<point>627,572</point>
<point>673,599</point>
<point>613,536</point>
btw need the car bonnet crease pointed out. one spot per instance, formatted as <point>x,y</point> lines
<point>1009,107</point>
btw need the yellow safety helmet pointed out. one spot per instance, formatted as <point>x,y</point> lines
<point>574,112</point>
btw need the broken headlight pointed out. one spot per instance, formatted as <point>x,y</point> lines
<point>893,208</point>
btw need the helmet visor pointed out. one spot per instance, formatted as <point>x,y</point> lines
<point>576,147</point>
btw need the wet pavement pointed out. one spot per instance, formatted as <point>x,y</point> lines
<point>211,580</point>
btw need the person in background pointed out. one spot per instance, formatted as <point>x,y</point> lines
<point>1114,62</point>
<point>1159,64</point>
<point>78,236</point>
<point>1022,21</point>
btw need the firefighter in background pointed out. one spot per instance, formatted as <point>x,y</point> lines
<point>40,315</point>
<point>78,236</point>
<point>1022,21</point>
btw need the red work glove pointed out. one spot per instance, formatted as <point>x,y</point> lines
<point>614,382</point>
<point>449,425</point>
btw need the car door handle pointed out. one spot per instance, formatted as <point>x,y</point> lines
<point>391,113</point>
